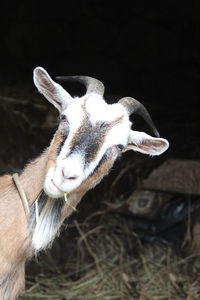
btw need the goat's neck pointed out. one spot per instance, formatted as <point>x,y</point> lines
<point>32,177</point>
<point>32,180</point>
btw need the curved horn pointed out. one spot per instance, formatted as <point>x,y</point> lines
<point>133,106</point>
<point>92,85</point>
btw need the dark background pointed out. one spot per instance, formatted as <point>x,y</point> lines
<point>149,50</point>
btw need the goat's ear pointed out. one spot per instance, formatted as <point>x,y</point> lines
<point>52,91</point>
<point>144,143</point>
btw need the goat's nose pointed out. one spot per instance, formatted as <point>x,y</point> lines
<point>69,175</point>
<point>72,171</point>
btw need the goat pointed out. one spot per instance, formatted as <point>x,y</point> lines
<point>91,134</point>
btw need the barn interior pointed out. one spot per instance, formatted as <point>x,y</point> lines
<point>136,235</point>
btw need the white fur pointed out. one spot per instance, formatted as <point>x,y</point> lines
<point>44,231</point>
<point>69,173</point>
<point>97,110</point>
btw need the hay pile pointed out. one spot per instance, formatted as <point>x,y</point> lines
<point>110,262</point>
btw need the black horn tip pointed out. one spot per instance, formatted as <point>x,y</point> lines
<point>134,106</point>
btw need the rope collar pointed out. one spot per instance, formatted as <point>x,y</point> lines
<point>24,200</point>
<point>21,192</point>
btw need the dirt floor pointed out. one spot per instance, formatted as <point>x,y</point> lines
<point>98,255</point>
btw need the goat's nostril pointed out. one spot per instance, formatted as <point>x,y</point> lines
<point>69,176</point>
<point>72,177</point>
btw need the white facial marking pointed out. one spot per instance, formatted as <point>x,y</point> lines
<point>100,111</point>
<point>69,171</point>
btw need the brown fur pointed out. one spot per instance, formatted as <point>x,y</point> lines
<point>55,145</point>
<point>96,177</point>
<point>12,285</point>
<point>88,184</point>
<point>14,240</point>
<point>15,244</point>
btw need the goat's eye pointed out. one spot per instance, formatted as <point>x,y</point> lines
<point>115,150</point>
<point>121,147</point>
<point>64,118</point>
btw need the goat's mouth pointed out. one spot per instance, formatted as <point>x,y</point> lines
<point>55,190</point>
<point>55,186</point>
<point>57,183</point>
<point>52,190</point>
